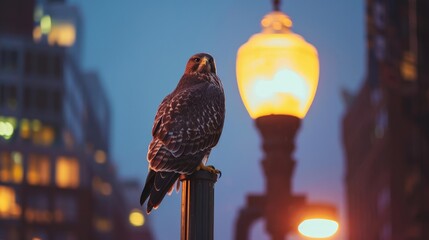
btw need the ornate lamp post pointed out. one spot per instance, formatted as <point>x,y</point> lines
<point>277,75</point>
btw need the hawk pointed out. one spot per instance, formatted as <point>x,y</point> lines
<point>187,125</point>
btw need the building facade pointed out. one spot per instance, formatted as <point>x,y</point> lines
<point>385,127</point>
<point>57,180</point>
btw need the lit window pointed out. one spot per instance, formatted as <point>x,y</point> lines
<point>47,135</point>
<point>102,224</point>
<point>11,167</point>
<point>67,172</point>
<point>7,127</point>
<point>63,34</point>
<point>25,129</point>
<point>408,66</point>
<point>58,32</point>
<point>102,187</point>
<point>100,156</point>
<point>38,169</point>
<point>43,134</point>
<point>8,206</point>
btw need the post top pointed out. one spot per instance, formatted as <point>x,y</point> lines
<point>200,175</point>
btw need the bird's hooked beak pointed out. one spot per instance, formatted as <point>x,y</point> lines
<point>204,65</point>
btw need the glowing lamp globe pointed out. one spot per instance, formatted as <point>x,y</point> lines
<point>277,70</point>
<point>318,228</point>
<point>318,221</point>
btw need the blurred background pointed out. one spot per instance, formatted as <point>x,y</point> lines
<point>80,82</point>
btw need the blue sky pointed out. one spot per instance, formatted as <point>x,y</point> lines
<point>140,49</point>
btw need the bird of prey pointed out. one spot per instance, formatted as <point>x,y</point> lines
<point>187,125</point>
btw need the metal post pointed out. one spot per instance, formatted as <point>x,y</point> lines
<point>253,211</point>
<point>197,206</point>
<point>278,137</point>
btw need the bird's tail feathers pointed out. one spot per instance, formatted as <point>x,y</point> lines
<point>148,186</point>
<point>158,184</point>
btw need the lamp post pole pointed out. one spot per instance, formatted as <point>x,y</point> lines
<point>278,134</point>
<point>275,206</point>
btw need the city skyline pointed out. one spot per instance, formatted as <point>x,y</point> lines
<point>140,50</point>
<point>56,176</point>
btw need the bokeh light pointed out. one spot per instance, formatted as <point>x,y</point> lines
<point>318,228</point>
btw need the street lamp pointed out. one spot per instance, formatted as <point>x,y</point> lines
<point>277,76</point>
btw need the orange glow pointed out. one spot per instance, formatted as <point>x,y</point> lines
<point>102,224</point>
<point>277,70</point>
<point>8,206</point>
<point>25,128</point>
<point>67,172</point>
<point>100,156</point>
<point>63,34</point>
<point>102,187</point>
<point>47,135</point>
<point>17,170</point>
<point>408,66</point>
<point>36,125</point>
<point>44,135</point>
<point>37,34</point>
<point>106,189</point>
<point>38,170</point>
<point>38,215</point>
<point>318,228</point>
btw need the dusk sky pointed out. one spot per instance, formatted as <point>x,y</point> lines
<point>140,49</point>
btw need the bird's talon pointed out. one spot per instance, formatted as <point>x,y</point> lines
<point>210,169</point>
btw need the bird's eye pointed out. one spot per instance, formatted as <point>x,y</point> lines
<point>197,60</point>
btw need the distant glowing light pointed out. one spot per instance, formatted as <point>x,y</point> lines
<point>7,127</point>
<point>103,224</point>
<point>17,168</point>
<point>6,130</point>
<point>36,125</point>
<point>286,88</point>
<point>100,156</point>
<point>8,206</point>
<point>62,34</point>
<point>46,24</point>
<point>106,189</point>
<point>25,128</point>
<point>318,228</point>
<point>67,172</point>
<point>136,218</point>
<point>277,70</point>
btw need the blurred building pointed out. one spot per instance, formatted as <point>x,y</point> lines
<point>57,180</point>
<point>386,127</point>
<point>131,191</point>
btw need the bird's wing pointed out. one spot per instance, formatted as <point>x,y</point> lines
<point>188,122</point>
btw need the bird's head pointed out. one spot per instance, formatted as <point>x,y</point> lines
<point>200,63</point>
